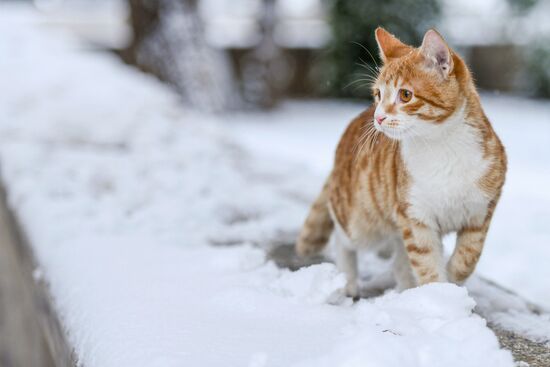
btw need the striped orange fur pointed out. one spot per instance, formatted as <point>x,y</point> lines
<point>421,162</point>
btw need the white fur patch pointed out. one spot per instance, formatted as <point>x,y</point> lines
<point>445,167</point>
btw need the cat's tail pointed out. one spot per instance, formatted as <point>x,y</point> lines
<point>317,227</point>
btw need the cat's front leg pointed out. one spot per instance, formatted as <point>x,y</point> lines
<point>346,261</point>
<point>469,244</point>
<point>425,252</point>
<point>402,271</point>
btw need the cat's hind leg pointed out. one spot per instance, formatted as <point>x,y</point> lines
<point>346,261</point>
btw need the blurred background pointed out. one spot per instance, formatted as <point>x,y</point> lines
<point>244,54</point>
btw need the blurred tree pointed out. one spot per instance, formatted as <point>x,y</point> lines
<point>169,42</point>
<point>522,6</point>
<point>538,68</point>
<point>349,63</point>
<point>537,53</point>
<point>258,74</point>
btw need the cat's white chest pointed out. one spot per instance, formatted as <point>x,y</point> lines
<point>444,191</point>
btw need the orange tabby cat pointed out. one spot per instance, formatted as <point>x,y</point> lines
<point>421,162</point>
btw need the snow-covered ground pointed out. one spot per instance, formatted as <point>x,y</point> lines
<point>129,200</point>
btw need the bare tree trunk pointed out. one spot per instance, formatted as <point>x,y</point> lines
<point>169,42</point>
<point>259,76</point>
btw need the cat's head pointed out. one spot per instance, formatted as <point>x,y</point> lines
<point>418,89</point>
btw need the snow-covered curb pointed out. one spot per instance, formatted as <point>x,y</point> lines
<point>122,193</point>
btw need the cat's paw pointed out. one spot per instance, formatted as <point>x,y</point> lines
<point>403,286</point>
<point>352,290</point>
<point>455,276</point>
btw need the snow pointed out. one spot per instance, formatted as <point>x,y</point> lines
<point>416,326</point>
<point>510,311</point>
<point>150,223</point>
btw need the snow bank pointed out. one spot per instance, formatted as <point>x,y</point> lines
<point>428,326</point>
<point>123,193</point>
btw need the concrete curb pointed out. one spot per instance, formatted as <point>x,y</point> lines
<point>54,349</point>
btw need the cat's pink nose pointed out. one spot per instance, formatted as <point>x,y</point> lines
<point>380,119</point>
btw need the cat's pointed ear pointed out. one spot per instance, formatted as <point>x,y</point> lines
<point>437,53</point>
<point>389,46</point>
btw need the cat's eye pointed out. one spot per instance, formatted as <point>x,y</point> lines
<point>405,95</point>
<point>376,94</point>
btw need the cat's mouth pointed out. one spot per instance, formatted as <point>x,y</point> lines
<point>393,130</point>
<point>393,133</point>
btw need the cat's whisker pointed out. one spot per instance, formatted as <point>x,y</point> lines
<point>363,76</point>
<point>368,134</point>
<point>370,82</point>
<point>367,86</point>
<point>370,137</point>
<point>374,77</point>
<point>371,71</point>
<point>370,54</point>
<point>367,127</point>
<point>366,66</point>
<point>371,74</point>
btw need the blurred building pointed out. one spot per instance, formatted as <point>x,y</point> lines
<point>271,43</point>
<point>502,41</point>
<point>266,49</point>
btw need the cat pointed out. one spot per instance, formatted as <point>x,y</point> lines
<point>421,162</point>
